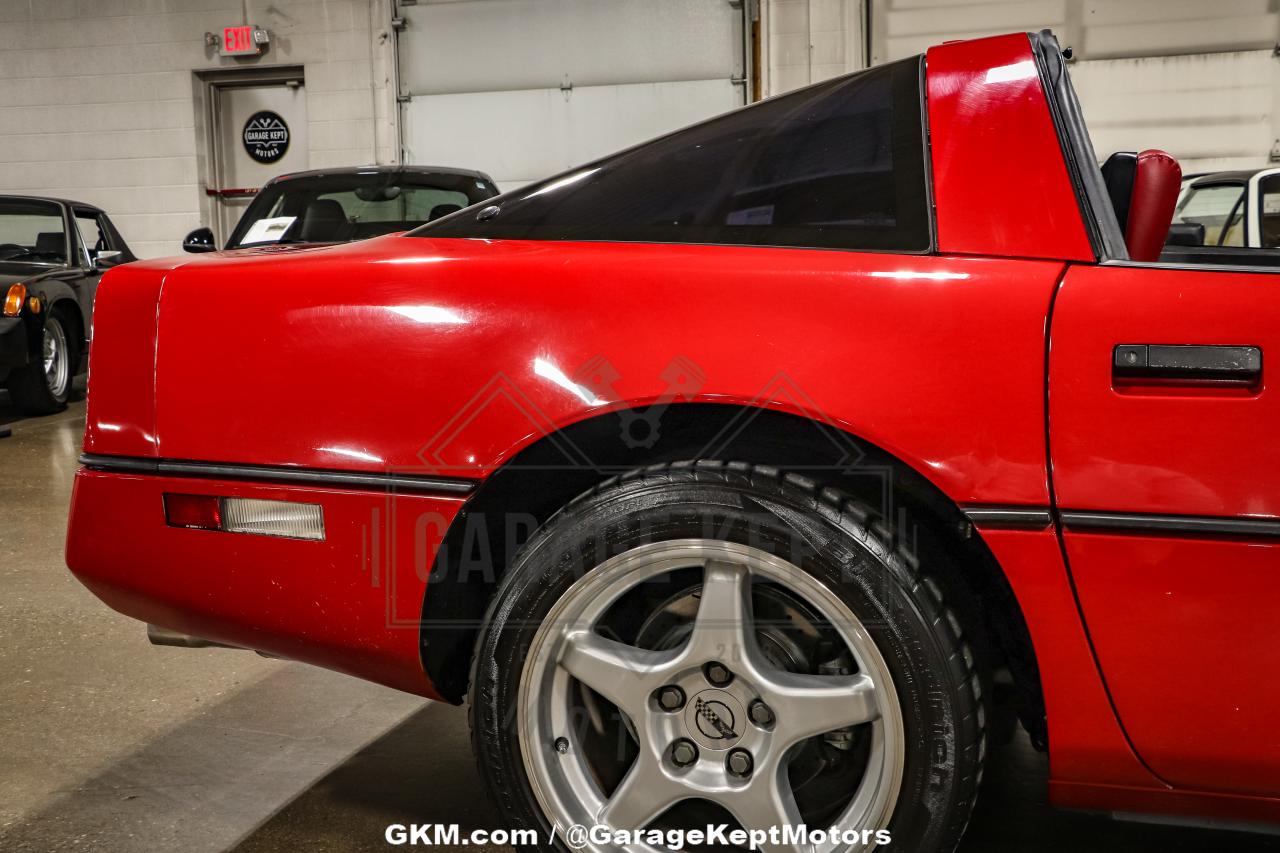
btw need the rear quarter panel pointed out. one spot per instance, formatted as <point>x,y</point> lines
<point>452,355</point>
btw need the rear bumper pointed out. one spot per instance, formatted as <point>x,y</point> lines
<point>352,602</point>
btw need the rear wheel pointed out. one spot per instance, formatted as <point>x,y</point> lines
<point>711,644</point>
<point>42,387</point>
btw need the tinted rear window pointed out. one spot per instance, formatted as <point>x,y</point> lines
<point>836,165</point>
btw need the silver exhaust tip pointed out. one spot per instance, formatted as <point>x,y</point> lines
<point>165,637</point>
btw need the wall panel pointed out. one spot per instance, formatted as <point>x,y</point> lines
<point>98,98</point>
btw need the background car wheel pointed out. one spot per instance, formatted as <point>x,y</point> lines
<point>708,643</point>
<point>43,386</point>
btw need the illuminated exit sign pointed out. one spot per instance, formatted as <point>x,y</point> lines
<point>243,41</point>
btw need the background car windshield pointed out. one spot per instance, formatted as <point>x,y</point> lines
<point>31,232</point>
<point>839,164</point>
<point>340,208</point>
<point>1219,208</point>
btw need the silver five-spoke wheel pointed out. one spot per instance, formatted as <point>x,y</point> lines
<point>711,704</point>
<point>57,357</point>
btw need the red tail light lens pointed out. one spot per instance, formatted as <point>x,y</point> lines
<point>203,512</point>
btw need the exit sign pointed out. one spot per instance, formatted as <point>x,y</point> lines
<point>243,41</point>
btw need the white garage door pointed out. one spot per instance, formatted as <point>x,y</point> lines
<point>523,89</point>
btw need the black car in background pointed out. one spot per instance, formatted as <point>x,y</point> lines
<point>341,205</point>
<point>52,253</point>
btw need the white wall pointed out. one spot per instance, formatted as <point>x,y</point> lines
<point>1212,111</point>
<point>1096,29</point>
<point>97,103</point>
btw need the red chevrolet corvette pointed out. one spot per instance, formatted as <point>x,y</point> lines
<point>751,475</point>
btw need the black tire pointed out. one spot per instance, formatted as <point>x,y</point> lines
<point>29,387</point>
<point>934,671</point>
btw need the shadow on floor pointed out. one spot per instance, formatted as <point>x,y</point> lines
<point>422,771</point>
<point>224,768</point>
<point>9,415</point>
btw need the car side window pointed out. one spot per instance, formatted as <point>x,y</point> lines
<point>1269,211</point>
<point>1219,208</point>
<point>93,238</point>
<point>840,164</point>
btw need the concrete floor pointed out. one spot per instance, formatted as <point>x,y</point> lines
<point>108,743</point>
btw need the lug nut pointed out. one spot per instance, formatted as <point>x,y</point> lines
<point>717,673</point>
<point>561,745</point>
<point>683,753</point>
<point>739,763</point>
<point>760,714</point>
<point>670,698</point>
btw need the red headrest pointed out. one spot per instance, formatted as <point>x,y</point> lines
<point>1156,181</point>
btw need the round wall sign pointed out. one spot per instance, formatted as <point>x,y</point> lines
<point>266,136</point>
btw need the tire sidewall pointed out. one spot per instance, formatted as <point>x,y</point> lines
<point>29,386</point>
<point>69,353</point>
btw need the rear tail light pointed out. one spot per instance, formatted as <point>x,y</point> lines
<point>272,518</point>
<point>245,515</point>
<point>13,300</point>
<point>202,512</point>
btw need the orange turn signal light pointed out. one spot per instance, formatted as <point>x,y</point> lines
<point>34,303</point>
<point>13,301</point>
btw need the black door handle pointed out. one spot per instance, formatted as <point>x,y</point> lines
<point>1187,362</point>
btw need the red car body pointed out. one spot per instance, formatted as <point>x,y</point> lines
<point>1135,521</point>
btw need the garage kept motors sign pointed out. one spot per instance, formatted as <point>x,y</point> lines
<point>266,136</point>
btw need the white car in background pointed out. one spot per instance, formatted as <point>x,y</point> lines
<point>1226,210</point>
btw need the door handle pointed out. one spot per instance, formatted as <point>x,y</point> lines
<point>1187,362</point>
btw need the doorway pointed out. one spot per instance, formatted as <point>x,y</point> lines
<point>255,129</point>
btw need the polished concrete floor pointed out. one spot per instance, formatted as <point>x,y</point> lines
<point>108,743</point>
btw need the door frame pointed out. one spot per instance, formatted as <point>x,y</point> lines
<point>207,85</point>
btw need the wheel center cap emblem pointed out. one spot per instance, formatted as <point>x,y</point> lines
<point>714,719</point>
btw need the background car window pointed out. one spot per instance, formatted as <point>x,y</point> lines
<point>1219,208</point>
<point>839,164</point>
<point>31,231</point>
<point>1269,211</point>
<point>336,208</point>
<point>408,204</point>
<point>91,234</point>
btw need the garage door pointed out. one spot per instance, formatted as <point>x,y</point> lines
<point>523,89</point>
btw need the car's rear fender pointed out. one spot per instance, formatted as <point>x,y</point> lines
<point>120,415</point>
<point>1006,577</point>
